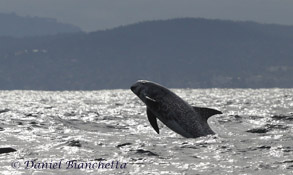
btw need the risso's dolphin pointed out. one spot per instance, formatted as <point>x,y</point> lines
<point>170,109</point>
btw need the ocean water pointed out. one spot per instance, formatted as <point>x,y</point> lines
<point>107,132</point>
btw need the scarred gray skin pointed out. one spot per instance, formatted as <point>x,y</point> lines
<point>171,110</point>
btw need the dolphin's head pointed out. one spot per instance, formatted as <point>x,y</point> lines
<point>144,88</point>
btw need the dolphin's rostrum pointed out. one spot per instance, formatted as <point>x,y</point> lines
<point>170,109</point>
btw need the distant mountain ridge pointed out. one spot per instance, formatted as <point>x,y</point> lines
<point>18,26</point>
<point>178,53</point>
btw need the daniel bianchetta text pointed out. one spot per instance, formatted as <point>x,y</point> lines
<point>70,164</point>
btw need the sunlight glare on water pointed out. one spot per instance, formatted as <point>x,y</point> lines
<point>254,133</point>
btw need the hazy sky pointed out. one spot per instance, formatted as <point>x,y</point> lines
<point>93,15</point>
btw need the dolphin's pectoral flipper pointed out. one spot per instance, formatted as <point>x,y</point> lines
<point>206,112</point>
<point>153,120</point>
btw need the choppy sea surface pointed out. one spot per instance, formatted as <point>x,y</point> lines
<point>254,134</point>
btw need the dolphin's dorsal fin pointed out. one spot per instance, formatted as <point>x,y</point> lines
<point>205,113</point>
<point>153,120</point>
